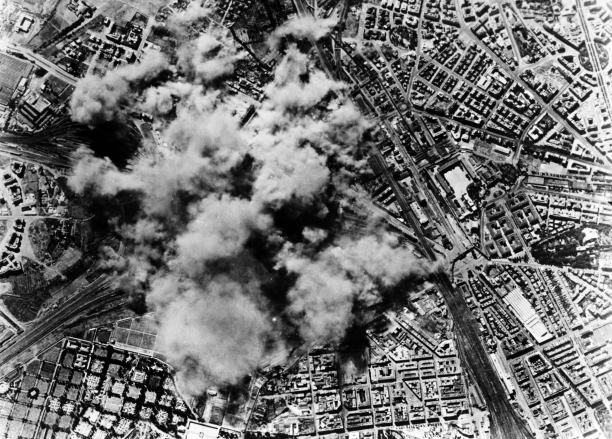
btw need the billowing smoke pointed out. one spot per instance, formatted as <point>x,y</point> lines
<point>241,244</point>
<point>97,100</point>
<point>306,27</point>
<point>159,101</point>
<point>348,272</point>
<point>215,331</point>
<point>208,58</point>
<point>194,13</point>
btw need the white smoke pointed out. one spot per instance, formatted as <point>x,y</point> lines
<point>230,208</point>
<point>305,27</point>
<point>97,100</point>
<point>209,58</point>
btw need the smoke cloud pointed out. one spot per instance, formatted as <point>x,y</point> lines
<point>209,58</point>
<point>305,27</point>
<point>218,333</point>
<point>219,230</point>
<point>194,13</point>
<point>346,276</point>
<point>241,243</point>
<point>96,100</point>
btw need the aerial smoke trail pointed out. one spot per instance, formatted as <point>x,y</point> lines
<point>240,242</point>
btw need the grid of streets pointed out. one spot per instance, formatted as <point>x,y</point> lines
<point>491,153</point>
<point>408,378</point>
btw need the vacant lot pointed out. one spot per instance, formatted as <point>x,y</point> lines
<point>30,290</point>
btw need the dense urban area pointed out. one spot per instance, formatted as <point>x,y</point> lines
<point>490,154</point>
